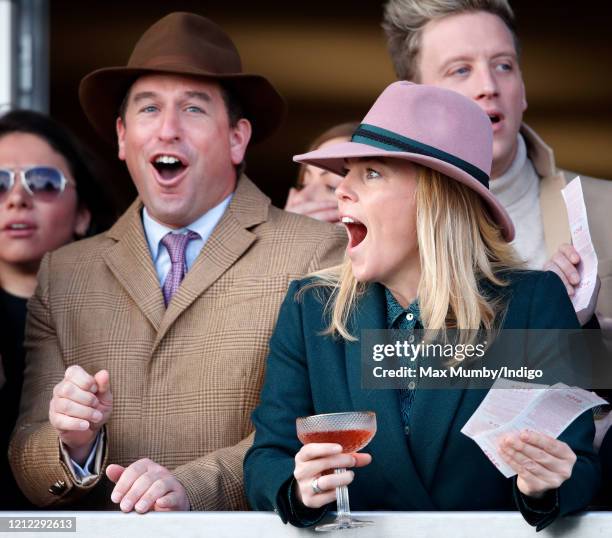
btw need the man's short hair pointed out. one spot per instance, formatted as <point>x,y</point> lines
<point>404,20</point>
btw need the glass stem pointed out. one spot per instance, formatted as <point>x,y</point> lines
<point>342,500</point>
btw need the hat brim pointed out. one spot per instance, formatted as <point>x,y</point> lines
<point>332,158</point>
<point>102,91</point>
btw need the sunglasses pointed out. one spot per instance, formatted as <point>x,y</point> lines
<point>41,182</point>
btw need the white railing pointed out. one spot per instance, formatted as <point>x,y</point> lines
<point>268,525</point>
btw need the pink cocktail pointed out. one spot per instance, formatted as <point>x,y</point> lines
<point>352,430</point>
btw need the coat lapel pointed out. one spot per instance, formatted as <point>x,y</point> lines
<point>389,443</point>
<point>552,206</point>
<point>228,242</point>
<point>554,213</point>
<point>129,259</point>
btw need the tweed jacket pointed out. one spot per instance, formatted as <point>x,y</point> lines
<point>598,201</point>
<point>432,466</point>
<point>184,379</point>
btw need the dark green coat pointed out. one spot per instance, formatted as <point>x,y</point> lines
<point>435,467</point>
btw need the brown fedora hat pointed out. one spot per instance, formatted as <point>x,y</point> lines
<point>182,44</point>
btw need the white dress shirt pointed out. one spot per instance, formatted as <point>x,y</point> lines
<point>518,190</point>
<point>155,232</point>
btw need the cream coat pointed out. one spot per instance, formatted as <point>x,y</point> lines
<point>598,201</point>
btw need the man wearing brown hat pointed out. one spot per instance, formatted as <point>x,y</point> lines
<point>147,343</point>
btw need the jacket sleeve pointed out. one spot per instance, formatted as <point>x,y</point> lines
<point>269,464</point>
<point>34,452</point>
<point>551,308</point>
<point>215,481</point>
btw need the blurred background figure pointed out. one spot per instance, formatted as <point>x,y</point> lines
<point>49,196</point>
<point>314,193</point>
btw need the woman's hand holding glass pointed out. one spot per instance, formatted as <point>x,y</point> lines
<point>313,462</point>
<point>542,462</point>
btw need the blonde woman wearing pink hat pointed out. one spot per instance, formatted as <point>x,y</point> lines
<point>428,248</point>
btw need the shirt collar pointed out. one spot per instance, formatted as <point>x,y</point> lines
<point>203,226</point>
<point>397,316</point>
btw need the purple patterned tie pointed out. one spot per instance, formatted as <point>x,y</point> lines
<point>176,245</point>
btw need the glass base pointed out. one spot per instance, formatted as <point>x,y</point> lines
<point>344,523</point>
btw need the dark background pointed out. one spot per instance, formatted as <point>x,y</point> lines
<point>329,60</point>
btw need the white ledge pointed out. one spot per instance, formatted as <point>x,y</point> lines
<point>268,525</point>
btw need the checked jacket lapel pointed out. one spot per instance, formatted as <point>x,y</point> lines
<point>229,240</point>
<point>129,259</point>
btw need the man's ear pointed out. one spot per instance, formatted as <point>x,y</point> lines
<point>240,135</point>
<point>120,127</point>
<point>524,96</point>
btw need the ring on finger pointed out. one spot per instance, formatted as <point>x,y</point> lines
<point>315,486</point>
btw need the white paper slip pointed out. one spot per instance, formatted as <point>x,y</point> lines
<point>581,239</point>
<point>511,407</point>
<point>501,406</point>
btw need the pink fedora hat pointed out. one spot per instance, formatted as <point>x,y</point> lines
<point>431,126</point>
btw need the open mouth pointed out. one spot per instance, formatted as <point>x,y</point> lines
<point>18,229</point>
<point>168,166</point>
<point>495,118</point>
<point>18,226</point>
<point>357,231</point>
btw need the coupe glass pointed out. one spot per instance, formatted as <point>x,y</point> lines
<point>352,430</point>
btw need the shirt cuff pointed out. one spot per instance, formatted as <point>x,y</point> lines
<point>90,470</point>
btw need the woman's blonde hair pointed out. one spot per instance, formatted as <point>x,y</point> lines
<point>459,246</point>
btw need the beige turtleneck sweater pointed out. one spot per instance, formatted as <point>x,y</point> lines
<point>518,189</point>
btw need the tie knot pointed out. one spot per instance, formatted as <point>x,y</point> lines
<point>176,243</point>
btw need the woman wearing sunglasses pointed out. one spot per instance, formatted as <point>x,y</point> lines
<point>48,197</point>
<point>428,248</point>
